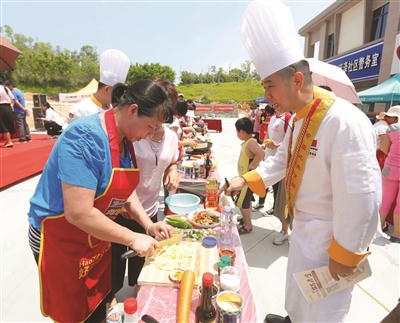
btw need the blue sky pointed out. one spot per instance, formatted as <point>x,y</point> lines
<point>185,35</point>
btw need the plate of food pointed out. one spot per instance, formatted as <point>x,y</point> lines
<point>204,218</point>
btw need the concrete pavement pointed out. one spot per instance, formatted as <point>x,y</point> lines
<point>373,298</point>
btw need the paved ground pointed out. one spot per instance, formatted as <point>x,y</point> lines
<point>373,298</point>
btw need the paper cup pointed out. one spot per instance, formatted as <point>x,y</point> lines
<point>229,305</point>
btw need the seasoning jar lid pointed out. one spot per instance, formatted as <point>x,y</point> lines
<point>209,242</point>
<point>224,261</point>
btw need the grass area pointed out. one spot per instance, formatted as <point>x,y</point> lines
<point>222,92</point>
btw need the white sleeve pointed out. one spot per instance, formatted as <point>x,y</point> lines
<point>356,186</point>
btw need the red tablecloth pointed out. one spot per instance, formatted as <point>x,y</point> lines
<point>214,124</point>
<point>162,302</point>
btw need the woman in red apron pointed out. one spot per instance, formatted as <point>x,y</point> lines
<point>90,176</point>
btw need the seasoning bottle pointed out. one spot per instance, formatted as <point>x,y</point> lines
<point>207,166</point>
<point>211,192</point>
<point>130,310</point>
<point>205,312</point>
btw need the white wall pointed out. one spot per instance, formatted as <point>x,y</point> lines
<point>351,28</point>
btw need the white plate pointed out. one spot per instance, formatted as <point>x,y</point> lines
<point>191,215</point>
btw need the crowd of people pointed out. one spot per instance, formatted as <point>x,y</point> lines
<point>110,160</point>
<point>334,176</point>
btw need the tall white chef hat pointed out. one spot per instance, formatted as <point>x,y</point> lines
<point>270,37</point>
<point>114,66</point>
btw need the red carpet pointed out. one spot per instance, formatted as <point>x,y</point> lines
<point>24,160</point>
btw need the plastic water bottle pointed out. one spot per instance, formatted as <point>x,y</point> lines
<point>205,115</point>
<point>130,310</point>
<point>226,225</point>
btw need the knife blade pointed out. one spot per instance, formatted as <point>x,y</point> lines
<point>170,241</point>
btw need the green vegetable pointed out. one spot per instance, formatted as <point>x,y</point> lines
<point>178,222</point>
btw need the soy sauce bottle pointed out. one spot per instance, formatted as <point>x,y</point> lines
<point>205,312</point>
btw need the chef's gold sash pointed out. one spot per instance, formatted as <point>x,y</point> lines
<point>314,112</point>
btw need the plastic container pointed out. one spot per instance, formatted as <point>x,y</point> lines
<point>130,310</point>
<point>182,203</point>
<point>227,226</point>
<point>229,279</point>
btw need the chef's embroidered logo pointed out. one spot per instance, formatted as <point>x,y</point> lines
<point>313,149</point>
<point>114,207</point>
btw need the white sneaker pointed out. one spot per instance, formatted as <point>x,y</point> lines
<point>279,239</point>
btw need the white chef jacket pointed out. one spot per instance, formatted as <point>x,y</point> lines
<point>339,196</point>
<point>84,108</point>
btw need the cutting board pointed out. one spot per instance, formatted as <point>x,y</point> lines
<point>203,260</point>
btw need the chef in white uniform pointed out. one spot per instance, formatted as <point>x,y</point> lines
<point>114,66</point>
<point>333,180</point>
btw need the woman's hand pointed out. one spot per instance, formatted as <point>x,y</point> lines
<point>160,229</point>
<point>144,245</point>
<point>172,180</point>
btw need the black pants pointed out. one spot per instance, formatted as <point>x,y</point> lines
<point>261,200</point>
<point>52,128</point>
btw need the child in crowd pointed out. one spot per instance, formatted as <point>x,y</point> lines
<point>250,156</point>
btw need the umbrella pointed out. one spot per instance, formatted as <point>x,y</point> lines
<point>8,54</point>
<point>334,77</point>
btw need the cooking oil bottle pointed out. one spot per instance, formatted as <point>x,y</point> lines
<point>211,191</point>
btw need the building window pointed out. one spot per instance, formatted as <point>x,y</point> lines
<point>379,19</point>
<point>331,46</point>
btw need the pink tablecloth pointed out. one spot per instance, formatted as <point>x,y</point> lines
<point>162,302</point>
<point>214,124</point>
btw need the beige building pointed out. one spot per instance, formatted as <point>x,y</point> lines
<point>360,36</point>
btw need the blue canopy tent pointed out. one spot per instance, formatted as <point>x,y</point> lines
<point>388,91</point>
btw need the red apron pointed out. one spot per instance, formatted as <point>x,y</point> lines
<point>74,267</point>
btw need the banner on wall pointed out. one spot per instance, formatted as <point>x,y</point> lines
<point>362,64</point>
<point>396,57</point>
<point>203,108</point>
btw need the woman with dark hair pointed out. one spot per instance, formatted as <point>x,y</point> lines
<point>53,122</point>
<point>89,179</point>
<point>157,157</point>
<point>6,115</point>
<point>181,109</point>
